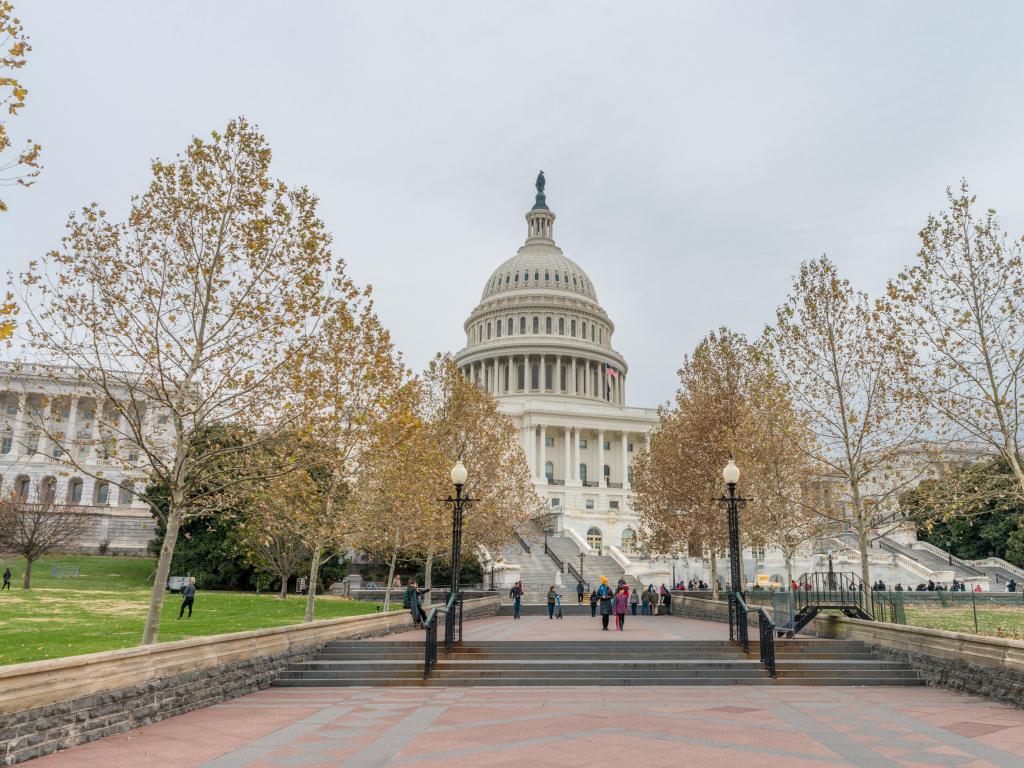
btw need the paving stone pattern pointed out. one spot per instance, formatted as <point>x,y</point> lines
<point>593,727</point>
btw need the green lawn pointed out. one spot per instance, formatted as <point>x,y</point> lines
<point>106,608</point>
<point>997,621</point>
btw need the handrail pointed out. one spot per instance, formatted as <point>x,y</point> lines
<point>453,606</point>
<point>523,543</point>
<point>766,625</point>
<point>562,566</point>
<point>430,643</point>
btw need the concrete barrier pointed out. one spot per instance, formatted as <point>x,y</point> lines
<point>57,703</point>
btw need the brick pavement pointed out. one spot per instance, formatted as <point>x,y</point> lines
<point>593,727</point>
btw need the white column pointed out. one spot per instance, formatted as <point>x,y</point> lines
<point>567,472</point>
<point>576,454</point>
<point>528,449</point>
<point>625,460</point>
<point>21,426</point>
<point>44,426</point>
<point>600,459</point>
<point>71,429</point>
<point>543,453</point>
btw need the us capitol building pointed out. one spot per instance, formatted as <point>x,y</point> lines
<point>540,342</point>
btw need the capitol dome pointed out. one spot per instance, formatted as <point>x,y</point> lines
<point>539,327</point>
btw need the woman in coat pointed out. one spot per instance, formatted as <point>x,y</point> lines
<point>604,598</point>
<point>621,607</point>
<point>634,600</point>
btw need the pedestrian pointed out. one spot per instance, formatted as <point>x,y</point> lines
<point>645,603</point>
<point>516,593</point>
<point>7,579</point>
<point>593,602</point>
<point>579,592</point>
<point>605,597</point>
<point>634,600</point>
<point>621,607</point>
<point>412,600</point>
<point>552,596</point>
<point>977,587</point>
<point>188,596</point>
<point>666,599</point>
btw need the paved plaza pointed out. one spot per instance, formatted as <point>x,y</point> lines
<point>592,727</point>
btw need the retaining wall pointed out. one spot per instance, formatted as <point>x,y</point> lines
<point>50,705</point>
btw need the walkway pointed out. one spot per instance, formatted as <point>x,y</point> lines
<point>592,727</point>
<point>582,628</point>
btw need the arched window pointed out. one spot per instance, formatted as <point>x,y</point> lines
<point>594,538</point>
<point>536,275</point>
<point>547,377</point>
<point>509,331</point>
<point>561,326</point>
<point>536,324</point>
<point>600,335</point>
<point>488,330</point>
<point>628,540</point>
<point>549,470</point>
<point>75,491</point>
<point>101,496</point>
<point>547,325</point>
<point>522,326</point>
<point>22,486</point>
<point>574,281</point>
<point>521,377</point>
<point>592,333</point>
<point>572,327</point>
<point>125,495</point>
<point>547,276</point>
<point>534,377</point>
<point>584,327</point>
<point>516,278</point>
<point>629,474</point>
<point>497,328</point>
<point>583,474</point>
<point>48,490</point>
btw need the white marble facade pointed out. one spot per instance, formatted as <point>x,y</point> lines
<point>540,342</point>
<point>47,416</point>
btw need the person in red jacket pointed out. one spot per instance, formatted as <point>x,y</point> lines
<point>621,607</point>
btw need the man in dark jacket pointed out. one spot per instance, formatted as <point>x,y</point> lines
<point>188,597</point>
<point>7,579</point>
<point>579,592</point>
<point>412,599</point>
<point>516,593</point>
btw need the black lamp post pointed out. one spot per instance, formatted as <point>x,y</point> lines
<point>581,566</point>
<point>737,617</point>
<point>456,504</point>
<point>831,573</point>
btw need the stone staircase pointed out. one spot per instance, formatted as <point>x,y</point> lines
<point>577,663</point>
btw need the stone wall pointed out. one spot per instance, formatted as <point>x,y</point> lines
<point>688,607</point>
<point>50,705</point>
<point>985,666</point>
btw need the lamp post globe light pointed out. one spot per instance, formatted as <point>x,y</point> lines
<point>737,617</point>
<point>457,503</point>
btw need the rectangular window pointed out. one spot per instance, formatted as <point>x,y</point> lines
<point>55,452</point>
<point>33,446</point>
<point>613,505</point>
<point>583,326</point>
<point>488,331</point>
<point>629,447</point>
<point>124,497</point>
<point>163,419</point>
<point>536,325</point>
<point>547,325</point>
<point>549,442</point>
<point>6,444</point>
<point>590,504</point>
<point>133,455</point>
<point>561,326</point>
<point>534,377</point>
<point>103,493</point>
<point>555,503</point>
<point>12,410</point>
<point>498,329</point>
<point>583,443</point>
<point>509,332</point>
<point>572,327</point>
<point>522,326</point>
<point>607,445</point>
<point>592,333</point>
<point>547,377</point>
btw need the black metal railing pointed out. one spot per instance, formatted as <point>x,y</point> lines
<point>553,481</point>
<point>565,566</point>
<point>766,633</point>
<point>523,543</point>
<point>452,621</point>
<point>430,643</point>
<point>590,483</point>
<point>837,589</point>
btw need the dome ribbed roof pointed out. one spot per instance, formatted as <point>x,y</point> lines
<point>539,266</point>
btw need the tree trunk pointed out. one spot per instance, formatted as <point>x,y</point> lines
<point>163,569</point>
<point>428,568</point>
<point>283,594</point>
<point>391,579</point>
<point>26,580</point>
<point>314,570</point>
<point>862,531</point>
<point>714,575</point>
<point>788,555</point>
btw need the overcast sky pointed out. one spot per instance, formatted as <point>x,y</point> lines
<point>695,153</point>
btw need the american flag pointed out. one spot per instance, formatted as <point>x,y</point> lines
<point>611,371</point>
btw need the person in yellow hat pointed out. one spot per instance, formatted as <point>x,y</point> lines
<point>605,597</point>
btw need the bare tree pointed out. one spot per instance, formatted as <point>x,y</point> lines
<point>182,317</point>
<point>34,530</point>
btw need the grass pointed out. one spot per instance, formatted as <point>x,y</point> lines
<point>105,608</point>
<point>996,621</point>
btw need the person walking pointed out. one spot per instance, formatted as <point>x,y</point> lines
<point>579,592</point>
<point>605,597</point>
<point>552,596</point>
<point>621,607</point>
<point>666,599</point>
<point>516,593</point>
<point>593,602</point>
<point>188,597</point>
<point>634,600</point>
<point>7,579</point>
<point>412,600</point>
